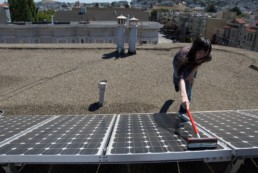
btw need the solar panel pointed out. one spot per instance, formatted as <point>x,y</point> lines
<point>236,129</point>
<point>13,125</point>
<point>76,138</point>
<point>152,137</point>
<point>253,112</point>
<point>125,138</point>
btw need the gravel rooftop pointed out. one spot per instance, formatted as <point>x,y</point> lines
<point>63,79</point>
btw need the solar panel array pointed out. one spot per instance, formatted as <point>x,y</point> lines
<point>124,138</point>
<point>64,135</point>
<point>152,134</point>
<point>234,128</point>
<point>149,134</point>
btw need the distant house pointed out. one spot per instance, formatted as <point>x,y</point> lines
<point>5,16</point>
<point>99,14</point>
<point>233,32</point>
<point>239,34</point>
<point>179,7</point>
<point>249,37</point>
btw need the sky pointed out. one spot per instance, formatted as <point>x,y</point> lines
<point>82,1</point>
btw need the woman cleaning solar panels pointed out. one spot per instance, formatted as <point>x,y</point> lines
<point>186,63</point>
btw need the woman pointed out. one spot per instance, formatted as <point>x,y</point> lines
<point>186,63</point>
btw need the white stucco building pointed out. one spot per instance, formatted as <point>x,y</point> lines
<point>5,16</point>
<point>88,32</point>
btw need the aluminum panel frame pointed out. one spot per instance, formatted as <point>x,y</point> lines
<point>206,156</point>
<point>50,159</point>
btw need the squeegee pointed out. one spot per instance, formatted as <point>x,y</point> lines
<point>199,143</point>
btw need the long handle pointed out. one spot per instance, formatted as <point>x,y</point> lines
<point>193,123</point>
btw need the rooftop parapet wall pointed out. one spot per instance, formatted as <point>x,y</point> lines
<point>105,32</point>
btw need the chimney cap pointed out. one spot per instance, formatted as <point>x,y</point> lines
<point>121,17</point>
<point>133,19</point>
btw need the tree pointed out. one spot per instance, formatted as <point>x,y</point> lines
<point>113,4</point>
<point>96,5</point>
<point>237,10</point>
<point>154,13</point>
<point>22,10</point>
<point>45,15</point>
<point>12,7</point>
<point>211,8</point>
<point>33,9</point>
<point>27,14</point>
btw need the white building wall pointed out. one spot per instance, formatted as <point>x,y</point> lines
<point>71,34</point>
<point>43,31</point>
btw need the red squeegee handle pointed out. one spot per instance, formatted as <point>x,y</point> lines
<point>192,121</point>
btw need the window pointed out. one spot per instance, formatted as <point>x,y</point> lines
<point>62,41</point>
<point>232,33</point>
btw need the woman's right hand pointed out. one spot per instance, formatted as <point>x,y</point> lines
<point>185,103</point>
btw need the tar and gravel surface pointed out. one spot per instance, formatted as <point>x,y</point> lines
<point>63,79</point>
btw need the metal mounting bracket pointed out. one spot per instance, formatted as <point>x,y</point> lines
<point>10,168</point>
<point>234,165</point>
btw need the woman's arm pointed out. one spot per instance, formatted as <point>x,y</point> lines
<point>184,97</point>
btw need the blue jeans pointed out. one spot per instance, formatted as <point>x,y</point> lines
<point>182,110</point>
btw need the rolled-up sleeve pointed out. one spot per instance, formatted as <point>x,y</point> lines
<point>178,62</point>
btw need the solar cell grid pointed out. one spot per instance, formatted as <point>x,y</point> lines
<point>253,112</point>
<point>65,135</point>
<point>83,139</point>
<point>148,133</point>
<point>13,125</point>
<point>236,129</point>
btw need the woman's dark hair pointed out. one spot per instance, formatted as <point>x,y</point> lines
<point>200,43</point>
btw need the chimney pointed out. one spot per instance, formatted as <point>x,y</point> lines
<point>52,20</point>
<point>120,34</point>
<point>132,35</point>
<point>127,20</point>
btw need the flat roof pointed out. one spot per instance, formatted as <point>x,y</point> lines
<point>63,79</point>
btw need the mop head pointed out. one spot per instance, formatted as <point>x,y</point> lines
<point>201,143</point>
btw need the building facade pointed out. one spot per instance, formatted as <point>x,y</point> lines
<point>5,16</point>
<point>92,32</point>
<point>237,33</point>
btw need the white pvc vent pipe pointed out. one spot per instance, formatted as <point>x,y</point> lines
<point>102,90</point>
